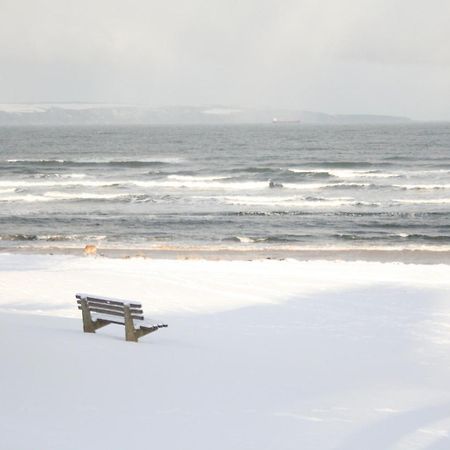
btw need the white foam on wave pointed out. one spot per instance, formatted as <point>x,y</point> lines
<point>347,185</point>
<point>294,201</point>
<point>256,200</point>
<point>196,178</point>
<point>76,176</point>
<point>28,198</point>
<point>83,196</point>
<point>305,186</point>
<point>379,175</point>
<point>59,161</point>
<point>70,237</point>
<point>425,172</point>
<point>199,183</point>
<point>52,237</point>
<point>424,187</point>
<point>163,160</point>
<point>346,173</point>
<point>61,196</point>
<point>308,170</point>
<point>6,191</point>
<point>30,184</point>
<point>245,240</point>
<point>430,201</point>
<point>156,160</point>
<point>202,185</point>
<point>50,176</point>
<point>193,184</point>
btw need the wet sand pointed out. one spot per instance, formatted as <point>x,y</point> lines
<point>415,256</point>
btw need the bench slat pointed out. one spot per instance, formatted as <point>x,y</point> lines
<point>92,304</point>
<point>107,300</point>
<point>112,313</point>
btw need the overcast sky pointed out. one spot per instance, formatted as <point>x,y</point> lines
<point>336,56</point>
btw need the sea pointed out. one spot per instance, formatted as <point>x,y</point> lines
<point>274,186</point>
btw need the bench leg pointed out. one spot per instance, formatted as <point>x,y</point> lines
<point>89,325</point>
<point>130,331</point>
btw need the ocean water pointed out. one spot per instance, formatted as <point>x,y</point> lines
<point>194,186</point>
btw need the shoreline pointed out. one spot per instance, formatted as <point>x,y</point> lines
<point>406,256</point>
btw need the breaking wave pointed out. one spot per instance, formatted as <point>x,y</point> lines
<point>429,201</point>
<point>100,162</point>
<point>49,238</point>
<point>345,173</point>
<point>392,237</point>
<point>285,238</point>
<point>295,201</point>
<point>422,187</point>
<point>36,161</point>
<point>79,196</point>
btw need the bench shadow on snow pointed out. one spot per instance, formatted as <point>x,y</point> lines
<point>386,433</point>
<point>364,337</point>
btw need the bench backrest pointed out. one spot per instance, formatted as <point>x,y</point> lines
<point>110,306</point>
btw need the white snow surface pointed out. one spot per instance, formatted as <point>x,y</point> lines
<point>258,355</point>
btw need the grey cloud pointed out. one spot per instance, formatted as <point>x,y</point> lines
<point>341,56</point>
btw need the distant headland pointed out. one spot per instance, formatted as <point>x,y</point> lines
<point>115,114</point>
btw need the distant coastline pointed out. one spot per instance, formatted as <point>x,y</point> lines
<point>121,114</point>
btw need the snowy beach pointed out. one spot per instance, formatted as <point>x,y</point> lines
<point>261,354</point>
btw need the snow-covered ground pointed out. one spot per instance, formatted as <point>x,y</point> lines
<point>258,355</point>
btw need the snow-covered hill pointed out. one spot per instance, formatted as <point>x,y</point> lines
<point>109,114</point>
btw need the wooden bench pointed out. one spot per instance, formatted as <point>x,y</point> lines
<point>98,312</point>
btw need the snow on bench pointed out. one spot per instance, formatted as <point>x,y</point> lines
<point>98,312</point>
